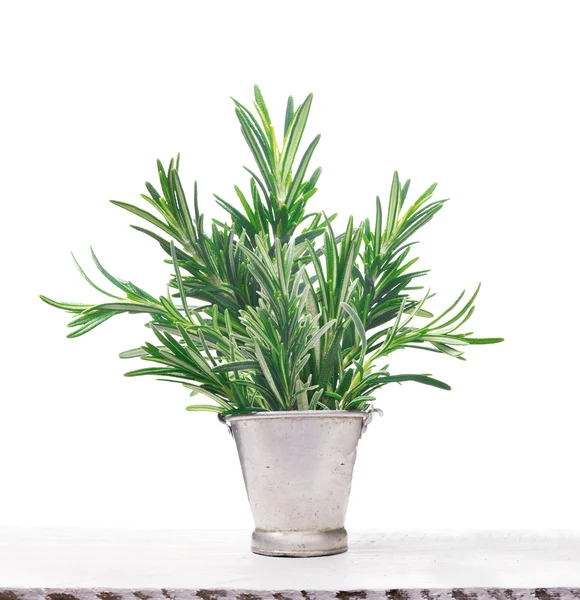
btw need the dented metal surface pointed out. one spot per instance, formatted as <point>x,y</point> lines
<point>297,468</point>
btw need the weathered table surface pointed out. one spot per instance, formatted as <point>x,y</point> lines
<point>72,564</point>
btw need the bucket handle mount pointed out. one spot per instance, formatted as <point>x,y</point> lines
<point>369,417</point>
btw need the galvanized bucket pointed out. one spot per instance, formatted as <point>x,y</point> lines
<point>297,468</point>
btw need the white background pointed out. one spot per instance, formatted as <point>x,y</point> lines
<point>479,96</point>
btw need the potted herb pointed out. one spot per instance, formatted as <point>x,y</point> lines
<point>284,326</point>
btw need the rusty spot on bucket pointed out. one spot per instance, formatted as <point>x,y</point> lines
<point>397,595</point>
<point>109,596</point>
<point>543,594</point>
<point>459,594</point>
<point>211,594</point>
<point>248,597</point>
<point>141,595</point>
<point>60,596</point>
<point>355,595</point>
<point>8,595</point>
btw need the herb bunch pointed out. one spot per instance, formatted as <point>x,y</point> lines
<point>272,310</point>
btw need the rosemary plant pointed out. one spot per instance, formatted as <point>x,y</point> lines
<point>272,310</point>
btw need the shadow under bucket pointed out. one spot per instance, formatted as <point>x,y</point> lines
<point>297,467</point>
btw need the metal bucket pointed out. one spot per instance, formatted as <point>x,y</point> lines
<point>297,468</point>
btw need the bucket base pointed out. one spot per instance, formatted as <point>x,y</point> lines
<point>299,543</point>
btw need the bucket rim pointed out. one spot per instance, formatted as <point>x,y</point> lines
<point>304,414</point>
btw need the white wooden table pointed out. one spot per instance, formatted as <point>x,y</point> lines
<point>72,564</point>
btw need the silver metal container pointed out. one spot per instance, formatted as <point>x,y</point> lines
<point>297,468</point>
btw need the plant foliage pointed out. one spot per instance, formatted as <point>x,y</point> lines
<point>272,310</point>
